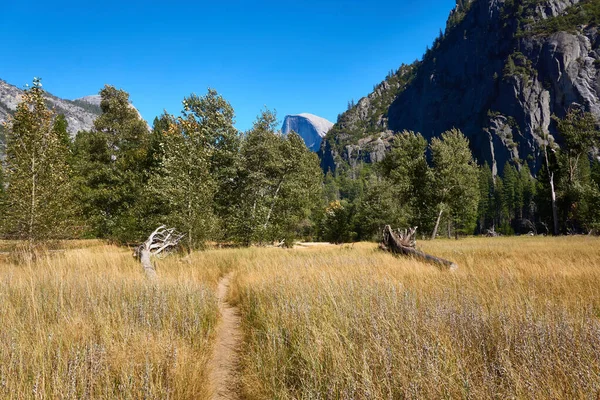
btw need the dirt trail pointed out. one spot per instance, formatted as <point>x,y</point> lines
<point>225,362</point>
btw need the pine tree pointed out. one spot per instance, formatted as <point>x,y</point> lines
<point>109,163</point>
<point>39,190</point>
<point>512,195</point>
<point>580,134</point>
<point>486,207</point>
<point>407,169</point>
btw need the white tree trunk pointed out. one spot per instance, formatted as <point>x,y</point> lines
<point>149,268</point>
<point>437,224</point>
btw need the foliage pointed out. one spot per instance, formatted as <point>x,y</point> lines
<point>197,147</point>
<point>39,191</point>
<point>278,183</point>
<point>337,224</point>
<point>110,162</point>
<point>456,179</point>
<point>584,13</point>
<point>517,64</point>
<point>575,187</point>
<point>407,169</point>
<point>379,206</point>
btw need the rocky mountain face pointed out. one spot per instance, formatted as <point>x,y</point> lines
<point>361,134</point>
<point>499,72</point>
<point>310,127</point>
<point>80,113</point>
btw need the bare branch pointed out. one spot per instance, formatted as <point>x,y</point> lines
<point>161,240</point>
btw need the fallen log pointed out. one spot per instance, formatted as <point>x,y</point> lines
<point>404,243</point>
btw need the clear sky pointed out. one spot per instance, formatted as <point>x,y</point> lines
<point>292,56</point>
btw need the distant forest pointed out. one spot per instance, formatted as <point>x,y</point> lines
<point>196,172</point>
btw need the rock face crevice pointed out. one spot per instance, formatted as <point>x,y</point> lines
<point>494,77</point>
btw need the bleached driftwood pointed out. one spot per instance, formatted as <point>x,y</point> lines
<point>160,241</point>
<point>404,243</point>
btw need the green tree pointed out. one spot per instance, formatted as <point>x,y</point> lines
<point>378,207</point>
<point>412,179</point>
<point>528,185</point>
<point>512,197</point>
<point>487,199</point>
<point>39,190</point>
<point>456,180</point>
<point>279,183</point>
<point>331,190</point>
<point>61,127</point>
<point>580,134</point>
<point>199,149</point>
<point>337,225</point>
<point>110,162</point>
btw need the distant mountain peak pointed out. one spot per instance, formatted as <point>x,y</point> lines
<point>80,113</point>
<point>310,127</point>
<point>93,99</point>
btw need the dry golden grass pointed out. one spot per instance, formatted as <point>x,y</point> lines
<point>86,324</point>
<point>519,319</point>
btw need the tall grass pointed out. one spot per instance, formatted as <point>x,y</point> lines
<point>86,324</point>
<point>519,319</point>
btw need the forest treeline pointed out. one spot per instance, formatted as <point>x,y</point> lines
<point>196,172</point>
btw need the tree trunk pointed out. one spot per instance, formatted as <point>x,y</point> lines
<point>391,242</point>
<point>553,194</point>
<point>273,203</point>
<point>33,204</point>
<point>554,208</point>
<point>437,224</point>
<point>162,239</point>
<point>149,269</point>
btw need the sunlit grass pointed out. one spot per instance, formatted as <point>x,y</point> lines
<point>519,319</point>
<point>87,324</point>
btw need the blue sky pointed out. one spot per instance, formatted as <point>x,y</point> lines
<point>292,56</point>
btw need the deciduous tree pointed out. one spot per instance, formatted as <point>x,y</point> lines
<point>456,179</point>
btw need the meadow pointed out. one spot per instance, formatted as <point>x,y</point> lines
<point>520,318</point>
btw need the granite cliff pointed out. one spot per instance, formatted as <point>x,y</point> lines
<point>80,113</point>
<point>310,127</point>
<point>499,72</point>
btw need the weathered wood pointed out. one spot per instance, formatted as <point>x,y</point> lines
<point>161,240</point>
<point>393,243</point>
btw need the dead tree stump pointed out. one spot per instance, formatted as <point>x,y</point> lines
<point>404,243</point>
<point>160,241</point>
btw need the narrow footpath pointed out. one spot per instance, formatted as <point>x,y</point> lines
<point>225,359</point>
